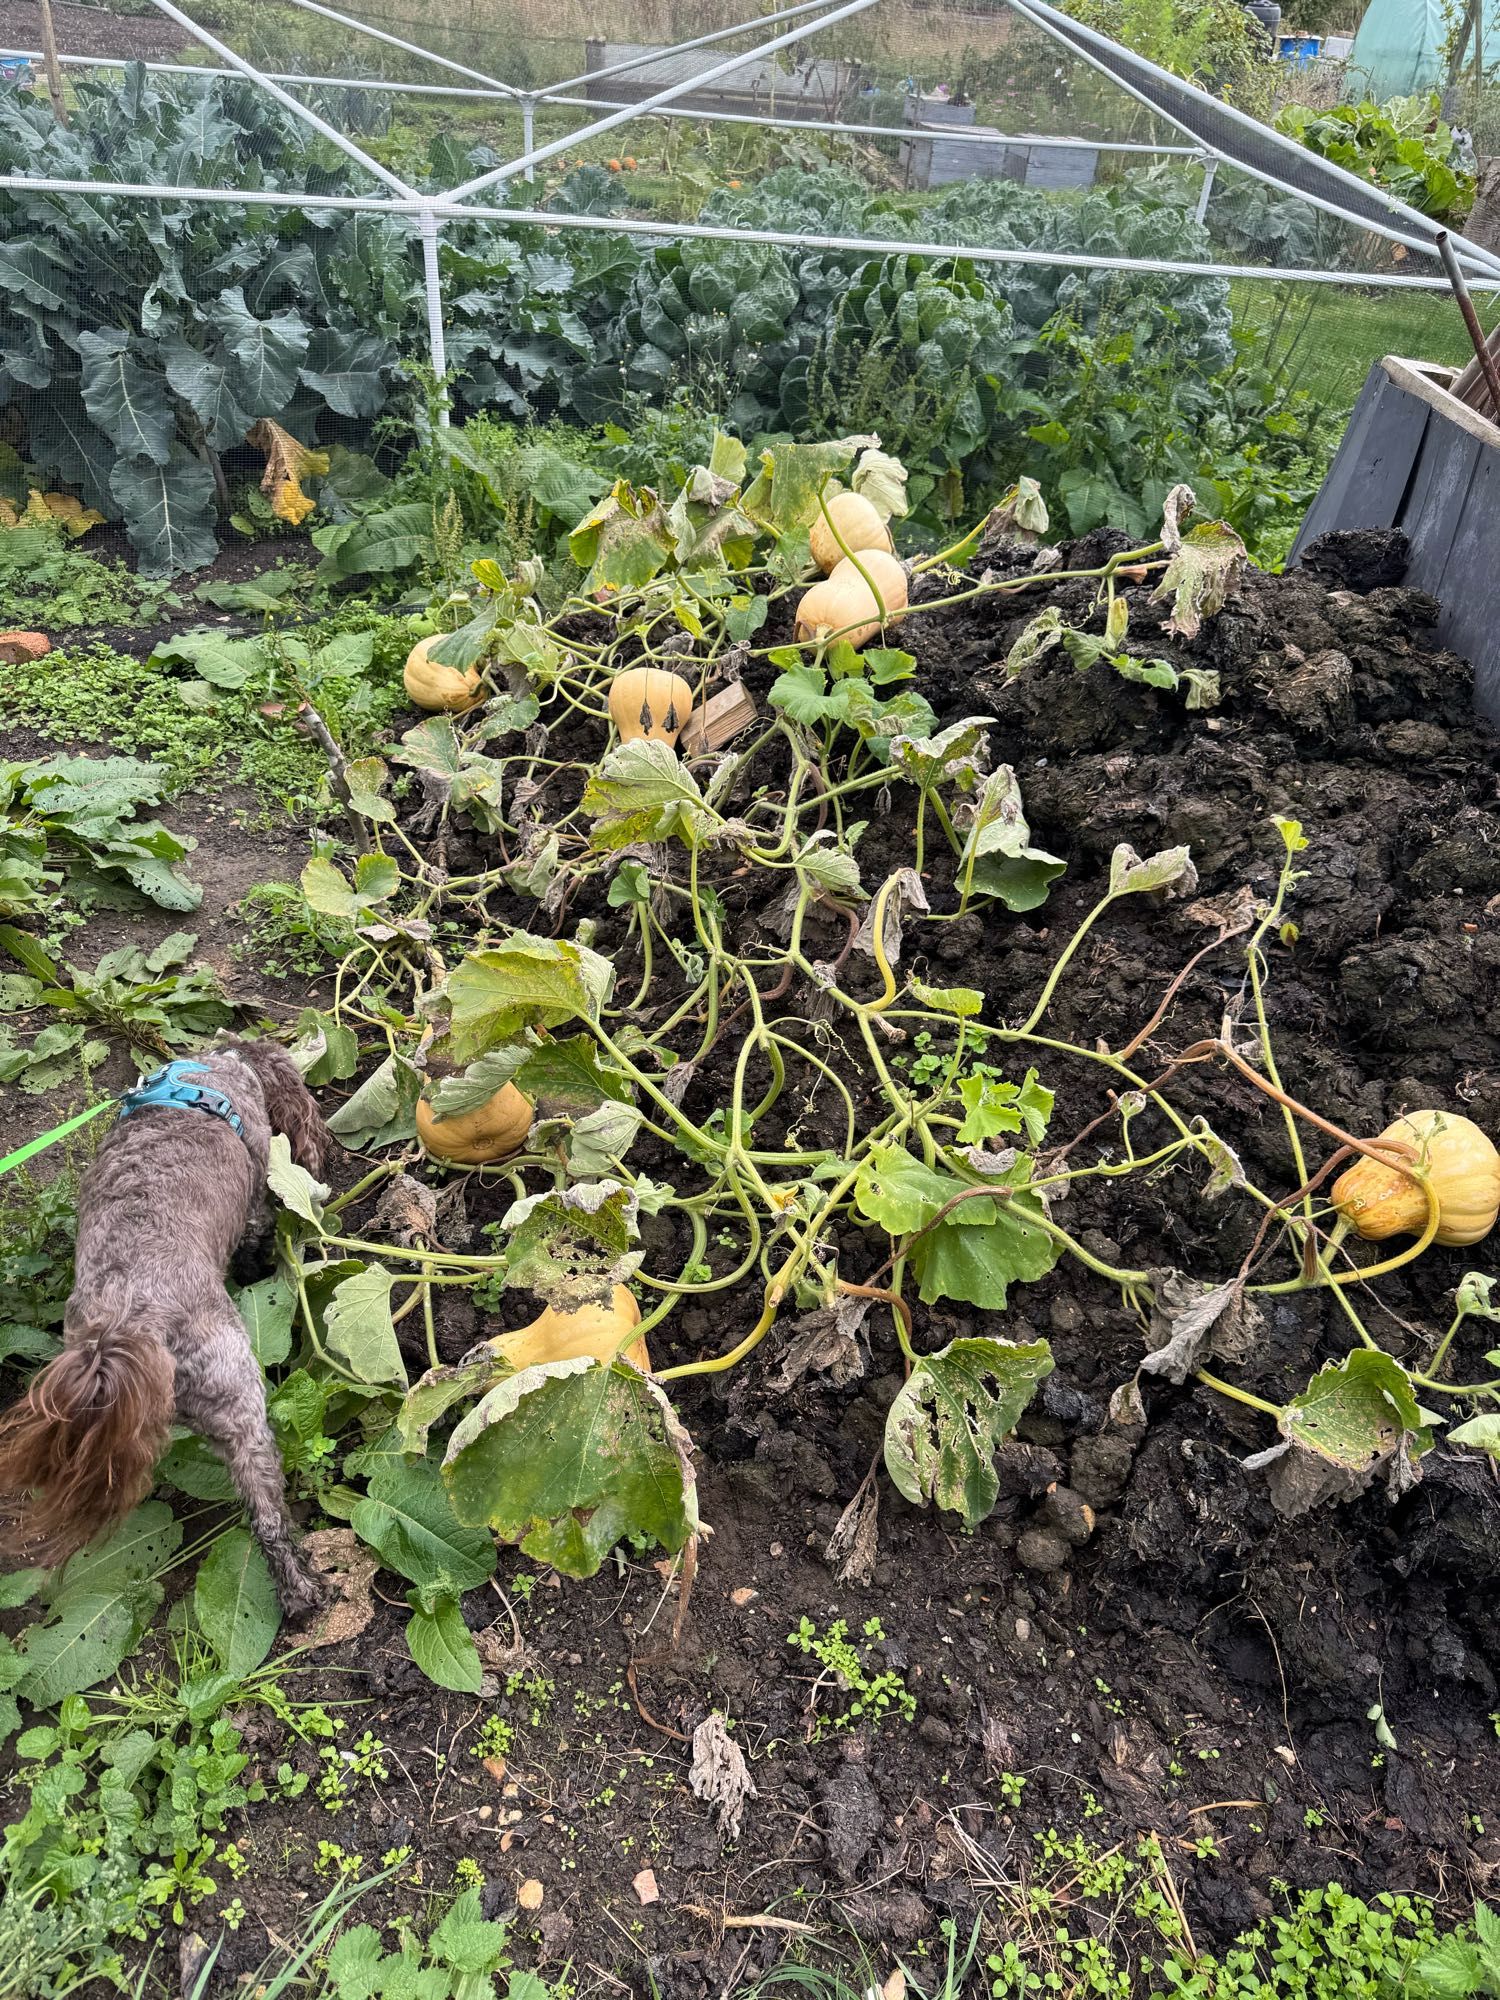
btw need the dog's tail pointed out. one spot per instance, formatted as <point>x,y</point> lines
<point>290,1105</point>
<point>79,1449</point>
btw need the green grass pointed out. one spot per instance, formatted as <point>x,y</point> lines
<point>1329,336</point>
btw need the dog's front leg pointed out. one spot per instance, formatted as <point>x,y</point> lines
<point>220,1394</point>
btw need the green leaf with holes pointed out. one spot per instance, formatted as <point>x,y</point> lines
<point>1356,1412</point>
<point>358,1332</point>
<point>268,1308</point>
<point>642,791</point>
<point>525,982</point>
<point>951,1416</point>
<point>99,1609</point>
<point>568,1459</point>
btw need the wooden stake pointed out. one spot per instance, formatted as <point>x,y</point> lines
<point>52,65</point>
<point>1482,354</point>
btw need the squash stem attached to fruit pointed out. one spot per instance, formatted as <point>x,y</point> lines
<point>849,555</point>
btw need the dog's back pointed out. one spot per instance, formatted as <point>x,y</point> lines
<point>160,1212</point>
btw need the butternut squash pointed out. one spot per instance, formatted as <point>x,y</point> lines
<point>492,1131</point>
<point>430,684</point>
<point>1461,1164</point>
<point>845,599</point>
<point>859,526</point>
<point>649,703</point>
<point>592,1330</point>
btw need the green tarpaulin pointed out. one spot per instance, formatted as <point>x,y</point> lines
<point>1400,48</point>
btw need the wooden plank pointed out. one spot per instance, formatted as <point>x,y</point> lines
<point>1433,385</point>
<point>1327,511</point>
<point>718,721</point>
<point>1470,586</point>
<point>1381,469</point>
<point>1444,501</point>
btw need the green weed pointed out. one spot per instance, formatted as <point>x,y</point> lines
<point>47,582</point>
<point>874,1697</point>
<point>37,1220</point>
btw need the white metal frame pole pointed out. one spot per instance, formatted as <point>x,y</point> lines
<point>1082,41</point>
<point>409,48</point>
<point>1210,170</point>
<point>1037,142</point>
<point>445,210</point>
<point>283,97</point>
<point>650,104</point>
<point>528,133</point>
<point>432,276</point>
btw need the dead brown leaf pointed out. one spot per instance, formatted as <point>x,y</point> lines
<point>855,1541</point>
<point>719,1773</point>
<point>406,1213</point>
<point>288,463</point>
<point>825,1341</point>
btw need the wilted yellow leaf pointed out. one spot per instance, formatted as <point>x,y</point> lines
<point>76,519</point>
<point>50,510</point>
<point>288,463</point>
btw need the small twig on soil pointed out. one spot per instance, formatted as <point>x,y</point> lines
<point>1145,1034</point>
<point>609,1979</point>
<point>645,1714</point>
<point>518,1645</point>
<point>1286,1713</point>
<point>666,1591</point>
<point>395,1755</point>
<point>764,1922</point>
<point>1175,1900</point>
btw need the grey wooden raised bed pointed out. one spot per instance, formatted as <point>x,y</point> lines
<point>1413,457</point>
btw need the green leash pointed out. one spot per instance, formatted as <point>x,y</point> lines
<point>35,1146</point>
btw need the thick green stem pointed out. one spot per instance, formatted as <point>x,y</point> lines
<point>1044,999</point>
<point>1223,1388</point>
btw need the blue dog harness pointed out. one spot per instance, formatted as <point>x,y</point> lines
<point>169,1090</point>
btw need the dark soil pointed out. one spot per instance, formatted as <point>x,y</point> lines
<point>95,31</point>
<point>1135,1628</point>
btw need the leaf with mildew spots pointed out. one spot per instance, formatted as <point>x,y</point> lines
<point>568,1458</point>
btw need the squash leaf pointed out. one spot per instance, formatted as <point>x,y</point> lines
<point>568,1458</point>
<point>955,1410</point>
